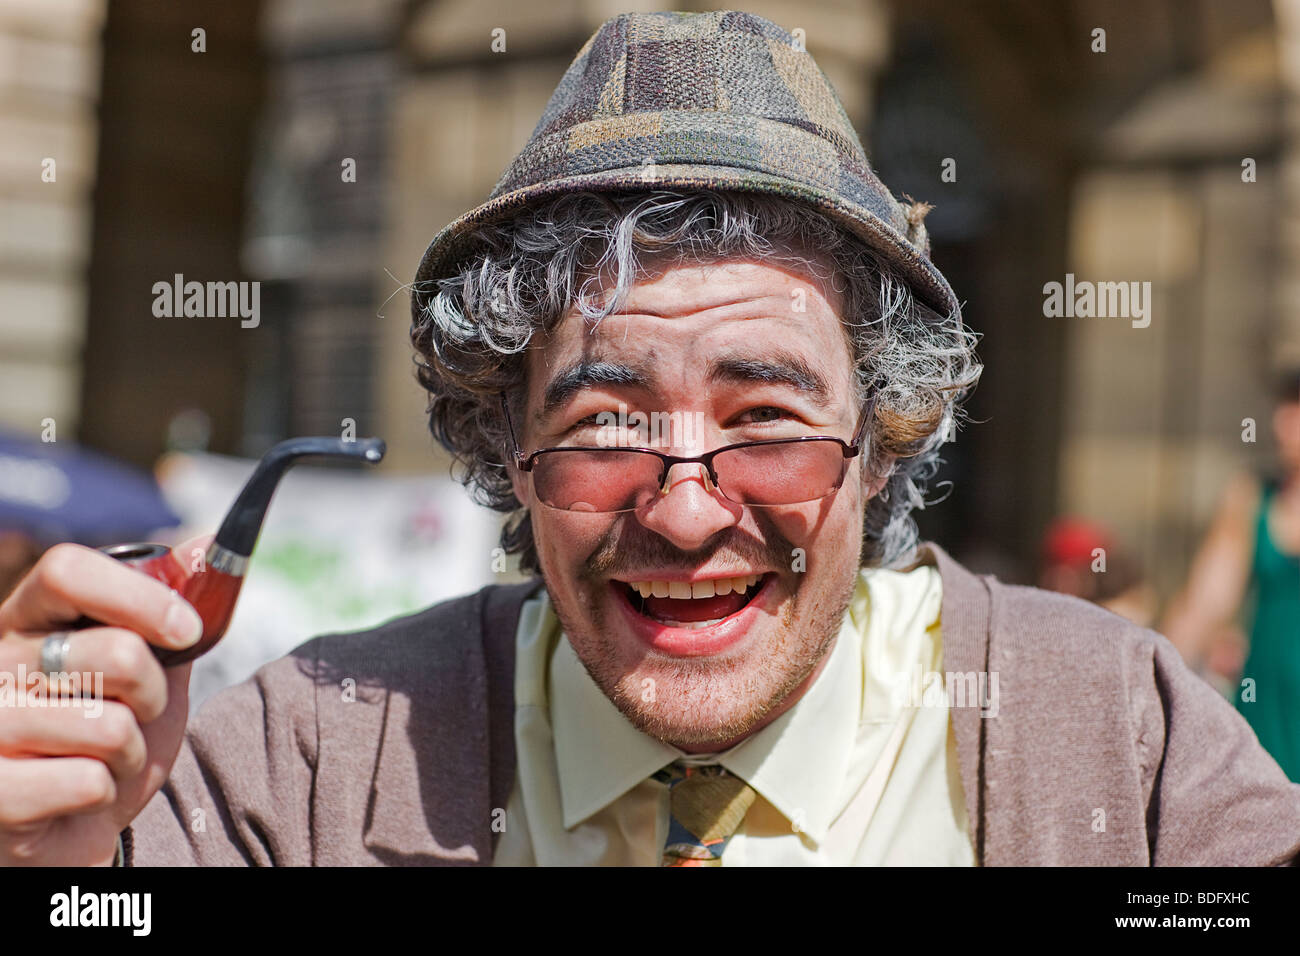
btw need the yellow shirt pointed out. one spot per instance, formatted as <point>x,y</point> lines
<point>861,771</point>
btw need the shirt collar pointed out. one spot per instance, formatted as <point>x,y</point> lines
<point>599,754</point>
<point>797,763</point>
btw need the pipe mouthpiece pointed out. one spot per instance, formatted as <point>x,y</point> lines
<point>238,533</point>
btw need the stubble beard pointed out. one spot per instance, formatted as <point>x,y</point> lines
<point>697,702</point>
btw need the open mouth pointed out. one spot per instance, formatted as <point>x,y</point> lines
<point>692,605</point>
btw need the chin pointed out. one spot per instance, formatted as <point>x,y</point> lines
<point>669,690</point>
<point>699,707</point>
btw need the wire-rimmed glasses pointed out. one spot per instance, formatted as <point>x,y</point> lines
<point>762,474</point>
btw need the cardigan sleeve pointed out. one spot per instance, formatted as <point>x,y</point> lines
<point>1217,797</point>
<point>240,791</point>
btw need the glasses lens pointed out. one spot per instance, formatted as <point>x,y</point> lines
<point>596,481</point>
<point>781,473</point>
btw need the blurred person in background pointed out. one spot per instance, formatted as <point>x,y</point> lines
<point>1081,558</point>
<point>1250,558</point>
<point>19,551</point>
<point>52,492</point>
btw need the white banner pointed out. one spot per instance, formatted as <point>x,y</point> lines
<point>340,551</point>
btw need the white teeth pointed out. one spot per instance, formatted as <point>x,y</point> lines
<point>692,625</point>
<point>682,590</point>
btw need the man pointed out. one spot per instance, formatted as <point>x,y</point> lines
<point>701,354</point>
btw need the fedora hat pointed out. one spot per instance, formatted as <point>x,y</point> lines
<point>723,100</point>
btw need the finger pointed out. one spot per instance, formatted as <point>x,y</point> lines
<point>35,790</point>
<point>106,731</point>
<point>70,581</point>
<point>104,662</point>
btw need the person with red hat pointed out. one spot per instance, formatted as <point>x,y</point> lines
<point>1081,558</point>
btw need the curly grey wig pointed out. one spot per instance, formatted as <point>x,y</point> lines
<point>524,275</point>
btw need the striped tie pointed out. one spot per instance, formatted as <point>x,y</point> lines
<point>706,805</point>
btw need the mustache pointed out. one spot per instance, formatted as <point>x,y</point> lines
<point>631,548</point>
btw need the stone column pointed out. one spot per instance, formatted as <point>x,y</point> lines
<point>49,85</point>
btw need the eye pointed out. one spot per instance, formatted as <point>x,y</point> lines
<point>594,420</point>
<point>608,422</point>
<point>766,413</point>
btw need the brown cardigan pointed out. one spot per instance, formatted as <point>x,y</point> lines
<point>1094,714</point>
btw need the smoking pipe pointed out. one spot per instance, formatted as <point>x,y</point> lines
<point>213,587</point>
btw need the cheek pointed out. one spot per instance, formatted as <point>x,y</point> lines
<point>828,535</point>
<point>564,542</point>
<point>548,543</point>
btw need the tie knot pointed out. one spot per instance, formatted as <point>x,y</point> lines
<point>677,771</point>
<point>706,805</point>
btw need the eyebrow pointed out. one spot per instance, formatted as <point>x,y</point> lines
<point>783,368</point>
<point>586,374</point>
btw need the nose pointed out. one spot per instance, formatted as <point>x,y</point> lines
<point>691,510</point>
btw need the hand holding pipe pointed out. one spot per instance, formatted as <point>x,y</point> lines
<point>214,589</point>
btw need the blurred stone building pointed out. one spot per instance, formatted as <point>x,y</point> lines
<point>1118,161</point>
<point>49,88</point>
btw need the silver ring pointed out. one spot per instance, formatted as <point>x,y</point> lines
<point>54,653</point>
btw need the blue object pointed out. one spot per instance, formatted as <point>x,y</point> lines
<point>56,491</point>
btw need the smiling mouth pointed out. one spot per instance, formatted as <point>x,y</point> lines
<point>691,606</point>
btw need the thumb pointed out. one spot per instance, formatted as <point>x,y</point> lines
<point>163,737</point>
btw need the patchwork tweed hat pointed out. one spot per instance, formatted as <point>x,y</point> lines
<point>723,100</point>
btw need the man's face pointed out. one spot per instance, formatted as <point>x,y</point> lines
<point>759,352</point>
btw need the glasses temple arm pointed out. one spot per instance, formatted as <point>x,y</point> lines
<point>515,451</point>
<point>868,413</point>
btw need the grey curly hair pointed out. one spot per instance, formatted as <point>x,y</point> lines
<point>470,331</point>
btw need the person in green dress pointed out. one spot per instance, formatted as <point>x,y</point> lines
<point>1251,558</point>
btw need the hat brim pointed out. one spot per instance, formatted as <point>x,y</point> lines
<point>450,245</point>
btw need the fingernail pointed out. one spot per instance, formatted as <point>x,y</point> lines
<point>182,625</point>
